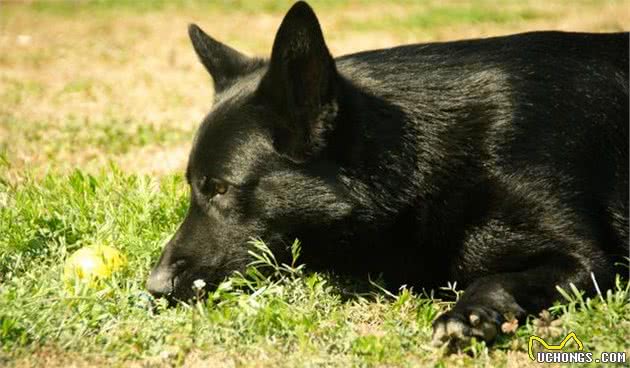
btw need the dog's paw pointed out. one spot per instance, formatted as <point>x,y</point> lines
<point>455,328</point>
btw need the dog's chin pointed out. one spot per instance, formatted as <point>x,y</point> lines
<point>187,294</point>
<point>193,289</point>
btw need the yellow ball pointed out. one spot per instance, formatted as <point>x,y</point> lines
<point>93,264</point>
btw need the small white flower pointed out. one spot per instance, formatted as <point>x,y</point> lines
<point>199,284</point>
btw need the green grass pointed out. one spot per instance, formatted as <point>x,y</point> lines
<point>427,18</point>
<point>293,316</point>
<point>110,135</point>
<point>69,7</point>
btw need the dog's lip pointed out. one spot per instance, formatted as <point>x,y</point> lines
<point>184,284</point>
<point>183,279</point>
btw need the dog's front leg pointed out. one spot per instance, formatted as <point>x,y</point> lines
<point>488,301</point>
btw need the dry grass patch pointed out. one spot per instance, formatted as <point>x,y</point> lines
<point>133,63</point>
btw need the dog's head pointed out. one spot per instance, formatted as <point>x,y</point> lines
<point>260,164</point>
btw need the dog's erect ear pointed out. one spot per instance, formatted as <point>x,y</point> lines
<point>222,62</point>
<point>301,83</point>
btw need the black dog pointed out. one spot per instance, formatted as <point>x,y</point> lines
<point>499,163</point>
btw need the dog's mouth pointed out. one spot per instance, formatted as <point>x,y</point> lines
<point>188,286</point>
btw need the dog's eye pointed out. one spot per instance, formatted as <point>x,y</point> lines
<point>213,187</point>
<point>220,188</point>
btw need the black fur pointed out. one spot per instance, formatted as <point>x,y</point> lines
<point>499,163</point>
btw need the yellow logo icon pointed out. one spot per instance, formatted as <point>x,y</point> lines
<point>552,347</point>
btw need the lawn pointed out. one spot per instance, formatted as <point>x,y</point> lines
<point>98,105</point>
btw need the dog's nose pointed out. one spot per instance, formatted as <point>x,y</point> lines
<point>160,282</point>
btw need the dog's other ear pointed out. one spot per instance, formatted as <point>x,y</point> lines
<point>301,83</point>
<point>222,62</point>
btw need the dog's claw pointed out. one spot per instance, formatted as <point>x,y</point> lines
<point>474,319</point>
<point>456,328</point>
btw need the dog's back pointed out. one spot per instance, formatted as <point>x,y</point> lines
<point>546,105</point>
